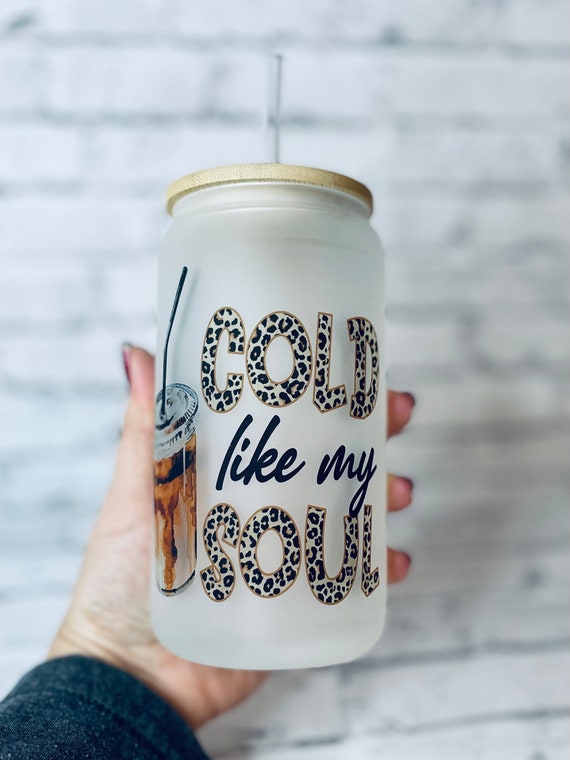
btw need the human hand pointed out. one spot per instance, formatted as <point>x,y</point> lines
<point>109,616</point>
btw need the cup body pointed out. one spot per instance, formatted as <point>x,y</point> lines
<point>279,333</point>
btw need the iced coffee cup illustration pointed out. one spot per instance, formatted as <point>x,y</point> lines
<point>175,487</point>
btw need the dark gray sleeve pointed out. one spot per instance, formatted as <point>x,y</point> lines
<point>76,707</point>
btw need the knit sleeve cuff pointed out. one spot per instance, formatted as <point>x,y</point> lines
<point>91,704</point>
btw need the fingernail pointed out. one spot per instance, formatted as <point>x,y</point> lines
<point>411,397</point>
<point>408,559</point>
<point>126,352</point>
<point>408,481</point>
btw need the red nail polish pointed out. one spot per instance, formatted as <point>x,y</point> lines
<point>126,351</point>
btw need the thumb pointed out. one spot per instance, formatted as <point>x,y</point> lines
<point>131,493</point>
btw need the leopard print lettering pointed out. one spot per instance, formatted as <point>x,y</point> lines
<point>324,397</point>
<point>363,333</point>
<point>218,399</point>
<point>219,578</point>
<point>279,323</point>
<point>370,578</point>
<point>270,584</point>
<point>325,589</point>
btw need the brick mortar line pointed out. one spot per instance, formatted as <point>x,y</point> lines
<point>399,122</point>
<point>260,44</point>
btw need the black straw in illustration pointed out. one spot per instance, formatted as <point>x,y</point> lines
<point>166,342</point>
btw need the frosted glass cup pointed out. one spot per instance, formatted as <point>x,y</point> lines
<point>270,477</point>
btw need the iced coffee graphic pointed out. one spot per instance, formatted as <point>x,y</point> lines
<point>175,475</point>
<point>175,487</point>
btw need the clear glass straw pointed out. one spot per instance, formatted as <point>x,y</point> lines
<point>273,117</point>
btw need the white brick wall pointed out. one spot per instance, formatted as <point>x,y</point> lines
<point>456,114</point>
<point>529,23</point>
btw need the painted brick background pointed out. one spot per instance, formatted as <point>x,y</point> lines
<point>456,114</point>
